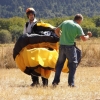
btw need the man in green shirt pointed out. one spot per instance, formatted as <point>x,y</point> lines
<point>70,30</point>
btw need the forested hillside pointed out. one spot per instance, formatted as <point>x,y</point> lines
<point>49,8</point>
<point>12,15</point>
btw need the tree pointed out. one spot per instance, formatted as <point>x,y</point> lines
<point>97,21</point>
<point>4,23</point>
<point>10,8</point>
<point>5,36</point>
<point>16,32</point>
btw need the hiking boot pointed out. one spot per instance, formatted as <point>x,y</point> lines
<point>71,85</point>
<point>45,82</point>
<point>54,85</point>
<point>34,84</point>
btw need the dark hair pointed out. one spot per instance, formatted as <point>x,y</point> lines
<point>78,17</point>
<point>28,13</point>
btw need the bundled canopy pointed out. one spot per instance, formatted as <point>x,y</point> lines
<point>36,53</point>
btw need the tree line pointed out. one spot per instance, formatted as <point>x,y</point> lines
<point>49,8</point>
<point>12,28</point>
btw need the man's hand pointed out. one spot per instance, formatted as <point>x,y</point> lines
<point>89,33</point>
<point>58,32</point>
<point>84,38</point>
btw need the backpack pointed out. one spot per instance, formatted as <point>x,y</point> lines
<point>27,24</point>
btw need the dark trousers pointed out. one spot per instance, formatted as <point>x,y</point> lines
<point>68,52</point>
<point>35,80</point>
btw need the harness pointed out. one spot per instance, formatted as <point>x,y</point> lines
<point>32,27</point>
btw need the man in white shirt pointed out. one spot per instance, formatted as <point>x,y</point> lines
<point>30,12</point>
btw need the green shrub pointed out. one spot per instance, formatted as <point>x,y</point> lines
<point>5,36</point>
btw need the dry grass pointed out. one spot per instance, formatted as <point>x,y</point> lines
<point>6,57</point>
<point>15,85</point>
<point>90,54</point>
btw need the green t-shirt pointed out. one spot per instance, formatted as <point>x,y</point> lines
<point>70,30</point>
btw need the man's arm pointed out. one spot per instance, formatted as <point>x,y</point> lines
<point>58,31</point>
<point>84,38</point>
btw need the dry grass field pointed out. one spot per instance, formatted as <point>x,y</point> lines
<point>15,85</point>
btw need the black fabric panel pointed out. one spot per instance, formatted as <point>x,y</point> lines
<point>34,39</point>
<point>26,39</point>
<point>30,70</point>
<point>48,68</point>
<point>40,28</point>
<point>21,42</point>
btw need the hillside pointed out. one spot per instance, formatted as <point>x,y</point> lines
<point>49,8</point>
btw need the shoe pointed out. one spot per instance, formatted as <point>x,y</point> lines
<point>54,85</point>
<point>71,85</point>
<point>45,82</point>
<point>45,85</point>
<point>34,84</point>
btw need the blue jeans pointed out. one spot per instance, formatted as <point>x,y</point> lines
<point>70,53</point>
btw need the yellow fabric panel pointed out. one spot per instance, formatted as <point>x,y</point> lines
<point>38,56</point>
<point>45,25</point>
<point>41,56</point>
<point>20,62</point>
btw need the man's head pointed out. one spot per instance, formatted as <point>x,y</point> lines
<point>78,18</point>
<point>30,12</point>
